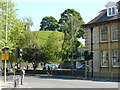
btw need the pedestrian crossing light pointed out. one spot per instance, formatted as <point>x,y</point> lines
<point>86,55</point>
<point>19,52</point>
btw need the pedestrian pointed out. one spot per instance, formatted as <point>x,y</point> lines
<point>22,73</point>
<point>27,67</point>
<point>48,69</point>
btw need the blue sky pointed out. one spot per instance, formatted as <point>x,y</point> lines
<point>38,9</point>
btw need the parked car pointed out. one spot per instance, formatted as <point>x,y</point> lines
<point>53,66</point>
<point>81,67</point>
<point>9,71</point>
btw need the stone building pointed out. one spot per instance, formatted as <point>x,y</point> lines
<point>102,36</point>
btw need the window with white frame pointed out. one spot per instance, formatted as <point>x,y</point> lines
<point>111,11</point>
<point>103,34</point>
<point>104,59</point>
<point>114,28</point>
<point>115,58</point>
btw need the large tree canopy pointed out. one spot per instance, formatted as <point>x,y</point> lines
<point>65,16</point>
<point>14,27</point>
<point>70,24</point>
<point>42,46</point>
<point>32,54</point>
<point>48,23</point>
<point>10,27</point>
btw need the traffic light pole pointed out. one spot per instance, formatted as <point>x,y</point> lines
<point>18,56</point>
<point>92,49</point>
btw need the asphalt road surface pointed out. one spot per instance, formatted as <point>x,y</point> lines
<point>43,82</point>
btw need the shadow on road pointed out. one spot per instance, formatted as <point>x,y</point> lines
<point>74,78</point>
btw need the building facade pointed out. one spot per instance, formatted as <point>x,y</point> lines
<point>102,36</point>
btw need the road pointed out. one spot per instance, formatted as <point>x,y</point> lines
<point>40,82</point>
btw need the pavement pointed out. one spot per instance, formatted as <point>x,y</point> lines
<point>10,83</point>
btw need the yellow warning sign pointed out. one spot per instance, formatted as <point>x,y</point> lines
<point>5,56</point>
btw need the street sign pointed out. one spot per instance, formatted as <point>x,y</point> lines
<point>5,56</point>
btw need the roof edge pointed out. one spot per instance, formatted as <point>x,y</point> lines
<point>98,23</point>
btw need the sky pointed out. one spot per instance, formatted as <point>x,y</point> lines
<point>38,9</point>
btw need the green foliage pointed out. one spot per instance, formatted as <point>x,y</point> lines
<point>65,17</point>
<point>14,28</point>
<point>32,54</point>
<point>39,37</point>
<point>54,46</point>
<point>50,43</point>
<point>48,23</point>
<point>70,25</point>
<point>46,45</point>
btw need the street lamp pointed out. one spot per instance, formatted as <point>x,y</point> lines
<point>71,21</point>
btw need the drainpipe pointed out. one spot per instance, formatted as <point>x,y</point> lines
<point>109,52</point>
<point>91,29</point>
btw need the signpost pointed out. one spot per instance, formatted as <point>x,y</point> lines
<point>5,56</point>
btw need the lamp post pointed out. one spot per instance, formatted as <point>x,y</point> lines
<point>6,35</point>
<point>72,41</point>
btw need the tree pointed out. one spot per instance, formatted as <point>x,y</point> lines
<point>15,26</point>
<point>48,23</point>
<point>70,24</point>
<point>12,25</point>
<point>53,47</point>
<point>32,54</point>
<point>65,16</point>
<point>42,46</point>
<point>29,37</point>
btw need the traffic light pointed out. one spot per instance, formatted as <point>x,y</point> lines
<point>86,55</point>
<point>91,55</point>
<point>4,50</point>
<point>18,52</point>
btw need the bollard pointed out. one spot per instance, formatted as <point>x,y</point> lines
<point>14,79</point>
<point>14,83</point>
